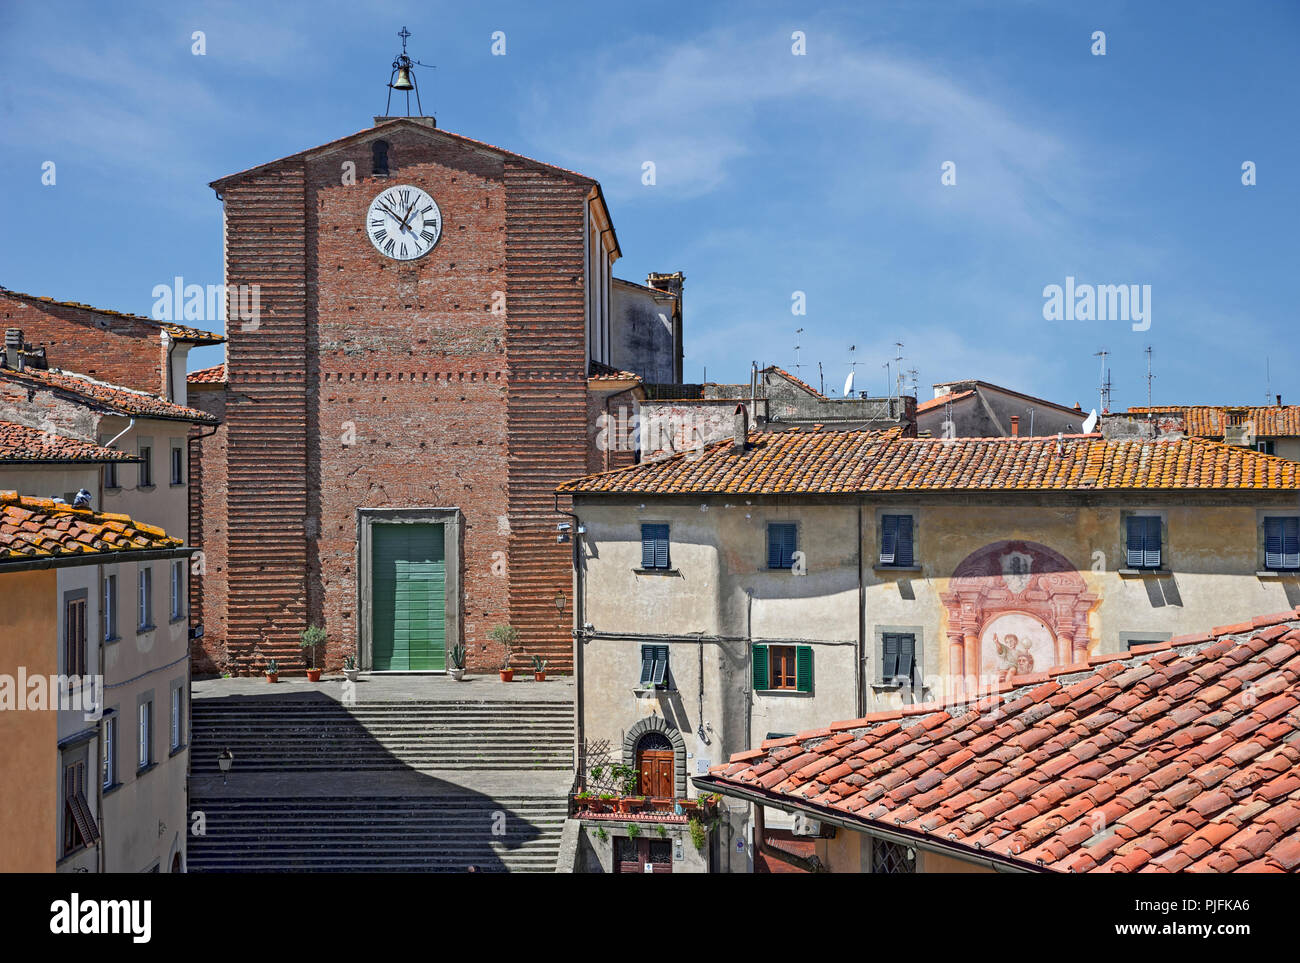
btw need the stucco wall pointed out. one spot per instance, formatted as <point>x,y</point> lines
<point>641,332</point>
<point>29,791</point>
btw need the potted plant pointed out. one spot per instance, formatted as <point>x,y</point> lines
<point>272,671</point>
<point>539,669</point>
<point>309,638</point>
<point>458,654</point>
<point>603,803</point>
<point>350,670</point>
<point>506,636</point>
<point>582,800</point>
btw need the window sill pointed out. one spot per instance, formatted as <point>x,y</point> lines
<point>1277,572</point>
<point>656,571</point>
<point>144,488</point>
<point>781,692</point>
<point>178,618</point>
<point>111,639</point>
<point>647,691</point>
<point>142,629</point>
<point>896,568</point>
<point>73,854</point>
<point>145,769</point>
<point>109,790</point>
<point>176,751</point>
<point>1144,573</point>
<point>176,485</point>
<point>112,489</point>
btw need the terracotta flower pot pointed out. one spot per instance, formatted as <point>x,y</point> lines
<point>273,677</point>
<point>626,803</point>
<point>313,675</point>
<point>507,675</point>
<point>539,676</point>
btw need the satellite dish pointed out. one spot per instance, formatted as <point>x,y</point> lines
<point>848,384</point>
<point>1090,422</point>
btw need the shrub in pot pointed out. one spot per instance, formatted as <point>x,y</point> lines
<point>308,639</point>
<point>539,669</point>
<point>506,636</point>
<point>350,670</point>
<point>272,671</point>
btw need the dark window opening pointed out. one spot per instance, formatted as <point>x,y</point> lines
<point>781,545</point>
<point>896,541</point>
<point>897,657</point>
<point>1282,544</point>
<point>654,546</point>
<point>379,158</point>
<point>654,666</point>
<point>1143,545</point>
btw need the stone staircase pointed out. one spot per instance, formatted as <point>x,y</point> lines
<point>319,786</point>
<point>411,834</point>
<point>321,735</point>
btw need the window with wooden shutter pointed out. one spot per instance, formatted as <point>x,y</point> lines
<point>654,666</point>
<point>1142,549</point>
<point>896,541</point>
<point>759,664</point>
<point>803,659</point>
<point>897,657</point>
<point>654,546</point>
<point>782,541</point>
<point>784,673</point>
<point>1281,543</point>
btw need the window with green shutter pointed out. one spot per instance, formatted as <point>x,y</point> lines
<point>783,668</point>
<point>897,657</point>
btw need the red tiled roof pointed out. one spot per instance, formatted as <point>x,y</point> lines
<point>802,384</point>
<point>33,528</point>
<point>115,398</point>
<point>178,331</point>
<point>943,400</point>
<point>1209,421</point>
<point>23,444</point>
<point>1185,757</point>
<point>859,461</point>
<point>216,375</point>
<point>597,371</point>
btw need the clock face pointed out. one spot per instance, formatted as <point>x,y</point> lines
<point>403,223</point>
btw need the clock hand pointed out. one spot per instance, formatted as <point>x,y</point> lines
<point>408,217</point>
<point>393,214</point>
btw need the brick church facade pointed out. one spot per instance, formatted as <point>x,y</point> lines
<point>393,431</point>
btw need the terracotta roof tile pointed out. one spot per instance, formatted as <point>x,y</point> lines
<point>100,394</point>
<point>860,461</point>
<point>23,444</point>
<point>596,371</point>
<point>34,528</point>
<point>1147,786</point>
<point>943,400</point>
<point>1209,421</point>
<point>179,332</point>
<point>216,375</point>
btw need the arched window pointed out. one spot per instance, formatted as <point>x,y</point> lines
<point>379,158</point>
<point>655,765</point>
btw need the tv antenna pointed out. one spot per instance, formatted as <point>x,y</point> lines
<point>898,360</point>
<point>853,369</point>
<point>1150,376</point>
<point>797,365</point>
<point>1105,386</point>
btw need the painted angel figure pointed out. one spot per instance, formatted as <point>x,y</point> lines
<point>1014,656</point>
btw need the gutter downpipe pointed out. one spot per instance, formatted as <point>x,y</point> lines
<point>859,684</point>
<point>808,864</point>
<point>579,640</point>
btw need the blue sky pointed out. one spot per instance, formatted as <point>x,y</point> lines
<point>775,173</point>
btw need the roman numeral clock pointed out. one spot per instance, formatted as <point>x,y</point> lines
<point>403,223</point>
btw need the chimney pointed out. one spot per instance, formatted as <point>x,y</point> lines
<point>1015,426</point>
<point>739,429</point>
<point>1279,401</point>
<point>13,348</point>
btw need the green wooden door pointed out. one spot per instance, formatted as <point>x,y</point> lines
<point>408,597</point>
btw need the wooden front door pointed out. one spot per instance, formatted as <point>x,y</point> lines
<point>643,855</point>
<point>656,768</point>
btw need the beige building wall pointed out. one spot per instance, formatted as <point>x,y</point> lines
<point>31,817</point>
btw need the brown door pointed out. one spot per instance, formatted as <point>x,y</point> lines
<point>656,766</point>
<point>642,855</point>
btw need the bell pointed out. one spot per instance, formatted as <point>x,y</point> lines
<point>403,81</point>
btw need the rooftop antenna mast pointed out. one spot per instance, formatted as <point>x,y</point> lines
<point>1104,389</point>
<point>1150,376</point>
<point>898,378</point>
<point>403,78</point>
<point>1268,383</point>
<point>853,370</point>
<point>797,365</point>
